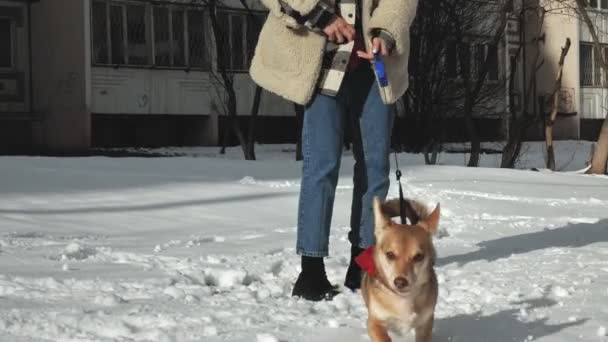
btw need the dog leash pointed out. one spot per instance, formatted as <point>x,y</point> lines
<point>383,82</point>
<point>401,197</point>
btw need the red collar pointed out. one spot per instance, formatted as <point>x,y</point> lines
<point>365,260</point>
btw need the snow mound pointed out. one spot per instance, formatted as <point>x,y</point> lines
<point>560,292</point>
<point>248,180</point>
<point>210,331</point>
<point>266,338</point>
<point>200,240</point>
<point>108,299</point>
<point>174,292</point>
<point>226,278</point>
<point>76,251</point>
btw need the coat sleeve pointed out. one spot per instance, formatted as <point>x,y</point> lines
<point>395,18</point>
<point>313,14</point>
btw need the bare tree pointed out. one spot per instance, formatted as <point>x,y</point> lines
<point>579,10</point>
<point>222,50</point>
<point>431,92</point>
<point>552,117</point>
<point>519,123</point>
<point>454,52</point>
<point>226,80</point>
<point>255,109</point>
<point>600,155</point>
<point>476,90</point>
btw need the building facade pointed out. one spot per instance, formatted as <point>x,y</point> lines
<point>76,74</point>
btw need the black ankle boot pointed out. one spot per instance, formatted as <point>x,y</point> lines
<point>312,283</point>
<point>353,275</point>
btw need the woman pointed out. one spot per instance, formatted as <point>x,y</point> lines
<point>312,52</point>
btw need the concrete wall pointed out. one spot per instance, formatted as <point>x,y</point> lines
<point>62,73</point>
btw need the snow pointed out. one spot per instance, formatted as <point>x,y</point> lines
<point>266,338</point>
<point>200,247</point>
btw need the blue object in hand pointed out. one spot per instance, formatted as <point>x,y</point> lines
<point>380,71</point>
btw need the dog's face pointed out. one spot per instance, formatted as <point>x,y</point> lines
<point>404,254</point>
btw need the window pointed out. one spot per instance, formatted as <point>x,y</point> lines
<point>489,52</point>
<point>254,27</point>
<point>117,37</point>
<point>590,67</point>
<point>492,52</point>
<point>241,38</point>
<point>171,36</point>
<point>6,43</point>
<point>463,59</point>
<point>100,32</point>
<point>196,39</point>
<point>178,49</point>
<point>451,60</point>
<point>464,55</point>
<point>586,66</point>
<point>162,37</point>
<point>137,53</point>
<point>126,41</point>
<point>599,4</point>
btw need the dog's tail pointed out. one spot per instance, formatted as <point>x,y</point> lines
<point>414,210</point>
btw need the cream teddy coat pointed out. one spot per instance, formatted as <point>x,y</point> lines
<point>288,56</point>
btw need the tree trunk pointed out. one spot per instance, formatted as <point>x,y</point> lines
<point>553,116</point>
<point>300,123</point>
<point>228,82</point>
<point>430,153</point>
<point>255,108</point>
<point>600,154</point>
<point>469,125</point>
<point>225,136</point>
<point>234,120</point>
<point>511,151</point>
<point>519,124</point>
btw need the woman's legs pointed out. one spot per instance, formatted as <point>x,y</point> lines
<point>372,124</point>
<point>322,135</point>
<point>322,150</point>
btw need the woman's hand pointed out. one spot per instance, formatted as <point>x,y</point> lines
<point>339,30</point>
<point>376,45</point>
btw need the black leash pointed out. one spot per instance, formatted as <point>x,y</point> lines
<point>401,197</point>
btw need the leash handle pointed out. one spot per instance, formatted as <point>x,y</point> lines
<point>401,197</point>
<point>380,71</point>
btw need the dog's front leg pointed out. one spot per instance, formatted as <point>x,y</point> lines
<point>424,331</point>
<point>377,331</point>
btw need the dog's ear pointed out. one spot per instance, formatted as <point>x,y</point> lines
<point>392,209</point>
<point>411,213</point>
<point>431,223</point>
<point>381,220</point>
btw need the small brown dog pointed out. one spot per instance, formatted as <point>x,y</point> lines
<point>400,290</point>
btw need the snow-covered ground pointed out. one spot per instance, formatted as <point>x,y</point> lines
<point>201,248</point>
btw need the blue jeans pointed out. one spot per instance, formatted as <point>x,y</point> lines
<point>358,105</point>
